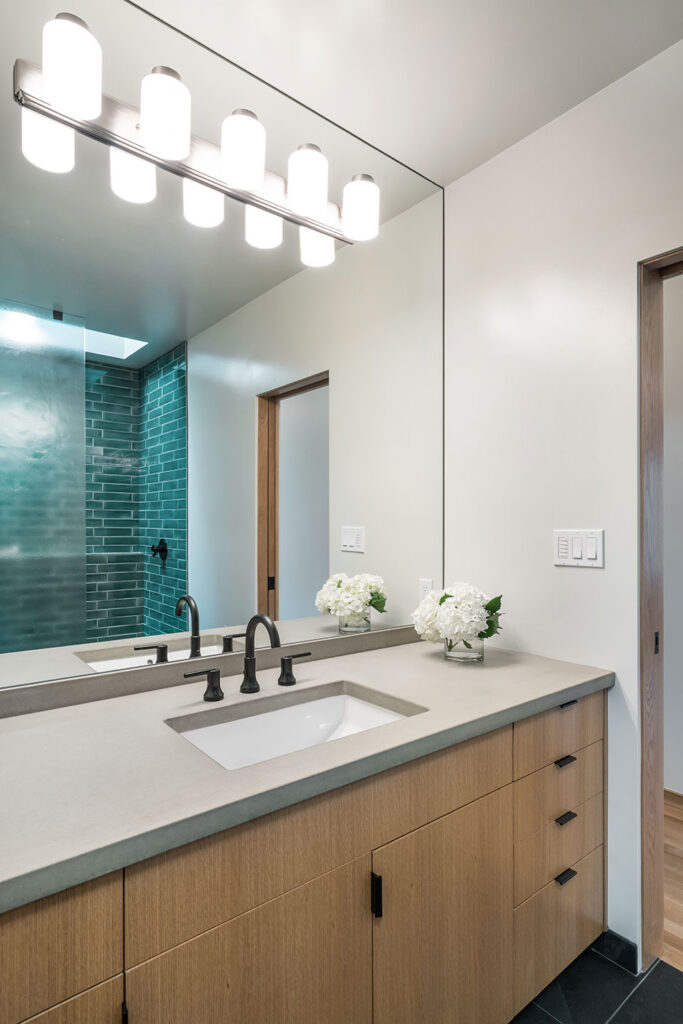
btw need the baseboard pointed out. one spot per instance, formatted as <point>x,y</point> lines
<point>619,950</point>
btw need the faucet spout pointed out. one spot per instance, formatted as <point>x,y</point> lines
<point>186,599</point>
<point>249,682</point>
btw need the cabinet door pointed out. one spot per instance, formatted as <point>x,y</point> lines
<point>304,957</point>
<point>442,949</point>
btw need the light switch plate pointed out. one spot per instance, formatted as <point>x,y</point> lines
<point>353,538</point>
<point>584,549</point>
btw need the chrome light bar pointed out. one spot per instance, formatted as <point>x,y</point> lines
<point>118,125</point>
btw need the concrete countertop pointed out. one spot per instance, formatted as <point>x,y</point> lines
<point>93,787</point>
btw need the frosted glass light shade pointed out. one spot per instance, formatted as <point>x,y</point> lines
<point>265,230</point>
<point>72,68</point>
<point>202,206</point>
<point>165,114</point>
<point>360,210</point>
<point>316,249</point>
<point>307,174</point>
<point>132,178</point>
<point>46,143</point>
<point>243,151</point>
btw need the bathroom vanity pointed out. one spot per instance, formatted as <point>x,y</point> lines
<point>451,858</point>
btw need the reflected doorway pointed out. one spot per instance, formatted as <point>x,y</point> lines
<point>293,497</point>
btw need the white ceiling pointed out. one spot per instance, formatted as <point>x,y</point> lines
<point>440,84</point>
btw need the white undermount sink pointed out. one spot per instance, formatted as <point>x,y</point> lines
<point>238,736</point>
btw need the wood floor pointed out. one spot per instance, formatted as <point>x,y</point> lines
<point>672,952</point>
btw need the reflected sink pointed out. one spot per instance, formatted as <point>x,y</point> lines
<point>242,735</point>
<point>109,661</point>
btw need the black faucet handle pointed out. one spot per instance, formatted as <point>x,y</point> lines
<point>161,649</point>
<point>227,642</point>
<point>213,683</point>
<point>286,674</point>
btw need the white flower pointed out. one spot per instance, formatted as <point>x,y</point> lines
<point>457,614</point>
<point>349,597</point>
<point>424,616</point>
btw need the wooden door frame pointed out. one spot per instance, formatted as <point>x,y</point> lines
<point>651,274</point>
<point>267,499</point>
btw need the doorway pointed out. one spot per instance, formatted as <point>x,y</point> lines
<point>662,814</point>
<point>293,497</point>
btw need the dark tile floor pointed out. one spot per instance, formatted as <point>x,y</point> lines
<point>594,990</point>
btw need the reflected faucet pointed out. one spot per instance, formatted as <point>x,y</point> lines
<point>195,649</point>
<point>249,682</point>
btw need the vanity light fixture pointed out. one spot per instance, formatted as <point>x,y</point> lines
<point>360,210</point>
<point>318,250</point>
<point>243,151</point>
<point>65,97</point>
<point>132,178</point>
<point>307,174</point>
<point>202,206</point>
<point>47,144</point>
<point>72,67</point>
<point>165,114</point>
<point>266,230</point>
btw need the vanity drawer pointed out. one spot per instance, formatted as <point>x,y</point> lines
<point>542,797</point>
<point>59,946</point>
<point>554,926</point>
<point>545,738</point>
<point>542,856</point>
<point>412,795</point>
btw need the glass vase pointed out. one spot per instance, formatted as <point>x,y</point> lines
<point>355,623</point>
<point>458,652</point>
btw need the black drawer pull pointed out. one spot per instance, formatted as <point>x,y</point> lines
<point>568,704</point>
<point>564,761</point>
<point>566,876</point>
<point>565,818</point>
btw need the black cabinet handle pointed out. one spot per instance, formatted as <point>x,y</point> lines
<point>568,704</point>
<point>376,894</point>
<point>564,761</point>
<point>566,876</point>
<point>564,819</point>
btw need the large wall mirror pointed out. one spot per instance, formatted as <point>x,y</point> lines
<point>271,422</point>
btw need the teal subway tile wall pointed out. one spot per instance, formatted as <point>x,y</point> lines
<point>93,472</point>
<point>136,482</point>
<point>115,601</point>
<point>163,490</point>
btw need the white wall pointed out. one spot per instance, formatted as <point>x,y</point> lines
<point>541,391</point>
<point>672,647</point>
<point>373,320</point>
<point>304,501</point>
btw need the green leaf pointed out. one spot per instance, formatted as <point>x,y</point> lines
<point>494,604</point>
<point>467,644</point>
<point>492,627</point>
<point>444,598</point>
<point>378,601</point>
<point>339,583</point>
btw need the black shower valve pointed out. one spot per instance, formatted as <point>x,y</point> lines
<point>160,549</point>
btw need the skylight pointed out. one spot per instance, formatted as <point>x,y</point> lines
<point>99,344</point>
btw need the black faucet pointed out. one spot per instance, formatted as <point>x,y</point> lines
<point>195,649</point>
<point>249,682</point>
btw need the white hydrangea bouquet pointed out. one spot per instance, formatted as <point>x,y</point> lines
<point>350,598</point>
<point>462,617</point>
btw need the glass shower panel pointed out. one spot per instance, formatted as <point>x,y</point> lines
<point>42,479</point>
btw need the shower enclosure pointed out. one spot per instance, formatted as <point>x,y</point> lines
<point>93,473</point>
